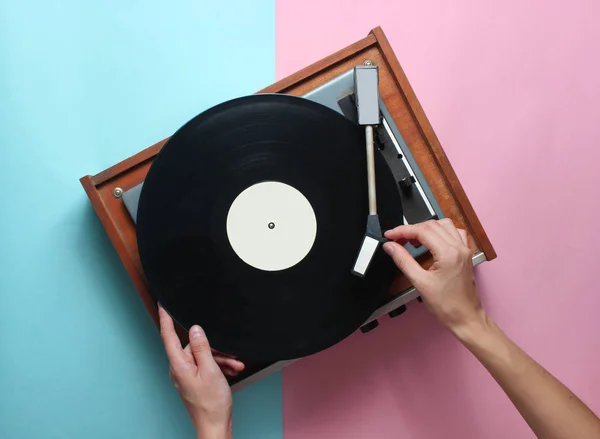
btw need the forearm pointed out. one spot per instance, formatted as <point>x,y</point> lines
<point>551,410</point>
<point>209,432</point>
<point>207,428</point>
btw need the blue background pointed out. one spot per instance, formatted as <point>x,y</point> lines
<point>84,85</point>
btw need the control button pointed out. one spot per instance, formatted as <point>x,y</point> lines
<point>406,182</point>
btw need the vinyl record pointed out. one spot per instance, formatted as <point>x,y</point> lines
<point>250,220</point>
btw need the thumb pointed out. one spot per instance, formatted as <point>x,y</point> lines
<point>199,346</point>
<point>404,261</point>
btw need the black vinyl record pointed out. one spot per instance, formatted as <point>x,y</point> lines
<point>185,249</point>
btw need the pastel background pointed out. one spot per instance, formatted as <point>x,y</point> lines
<point>511,90</point>
<point>84,85</point>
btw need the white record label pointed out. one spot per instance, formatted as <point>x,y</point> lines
<point>271,226</point>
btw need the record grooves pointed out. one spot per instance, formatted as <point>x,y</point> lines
<point>186,250</point>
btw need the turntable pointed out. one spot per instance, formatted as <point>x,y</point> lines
<point>250,220</point>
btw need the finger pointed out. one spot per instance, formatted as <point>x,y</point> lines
<point>216,352</point>
<point>426,233</point>
<point>229,362</point>
<point>229,372</point>
<point>224,361</point>
<point>170,338</point>
<point>200,346</point>
<point>189,357</point>
<point>412,242</point>
<point>405,262</point>
<point>463,236</point>
<point>450,228</point>
<point>438,228</point>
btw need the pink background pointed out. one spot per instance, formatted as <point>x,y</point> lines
<point>512,90</point>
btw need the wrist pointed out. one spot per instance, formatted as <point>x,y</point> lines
<point>205,431</point>
<point>212,424</point>
<point>213,430</point>
<point>473,329</point>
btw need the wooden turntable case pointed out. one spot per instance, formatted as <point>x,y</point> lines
<point>401,102</point>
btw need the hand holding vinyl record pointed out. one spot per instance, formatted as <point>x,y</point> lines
<point>199,379</point>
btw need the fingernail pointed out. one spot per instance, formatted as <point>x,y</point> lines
<point>196,331</point>
<point>388,247</point>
